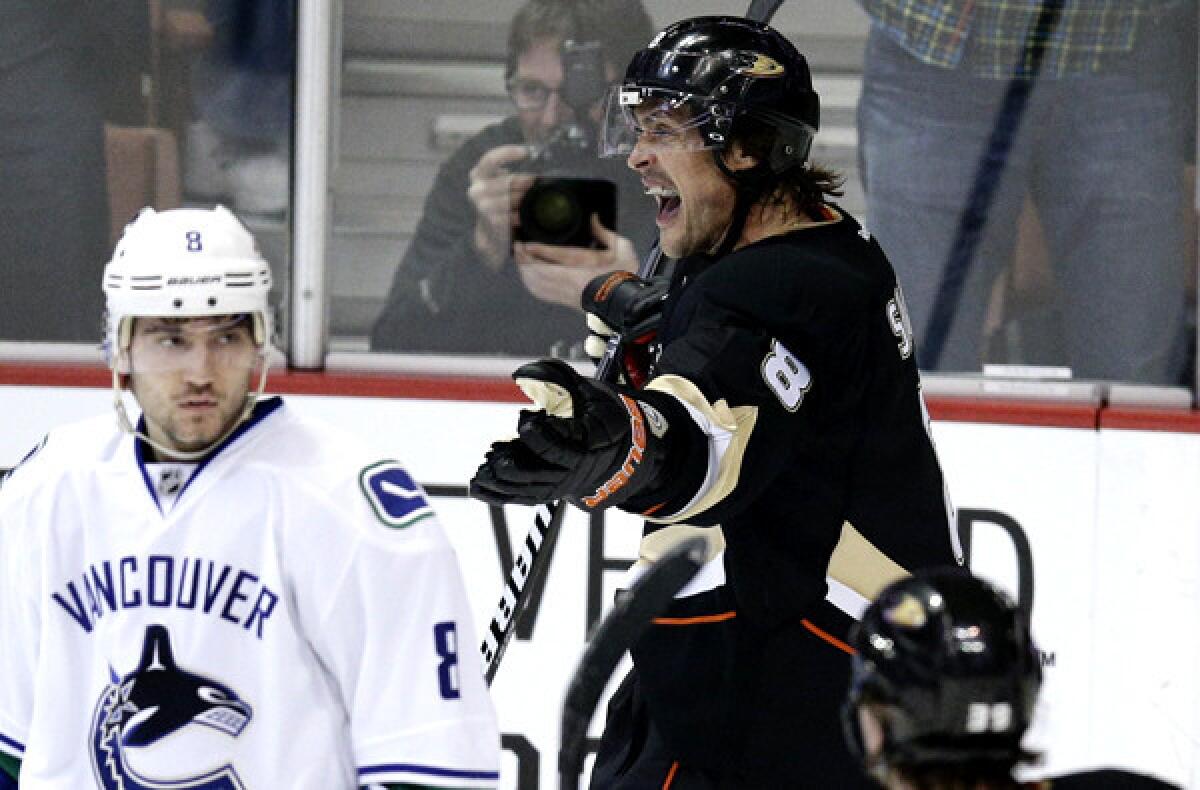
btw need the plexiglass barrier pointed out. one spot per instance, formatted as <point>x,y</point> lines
<point>1030,172</point>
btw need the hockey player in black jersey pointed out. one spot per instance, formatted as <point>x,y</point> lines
<point>943,689</point>
<point>779,414</point>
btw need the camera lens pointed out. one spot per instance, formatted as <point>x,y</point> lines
<point>554,211</point>
<point>558,210</point>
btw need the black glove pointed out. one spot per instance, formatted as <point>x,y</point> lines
<point>592,445</point>
<point>622,303</point>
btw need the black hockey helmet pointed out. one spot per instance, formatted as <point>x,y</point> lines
<point>722,68</point>
<point>949,660</point>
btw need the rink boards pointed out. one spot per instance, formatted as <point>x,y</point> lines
<point>1108,504</point>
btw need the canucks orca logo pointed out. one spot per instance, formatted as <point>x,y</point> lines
<point>152,702</point>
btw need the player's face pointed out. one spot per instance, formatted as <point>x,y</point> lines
<point>191,377</point>
<point>693,198</point>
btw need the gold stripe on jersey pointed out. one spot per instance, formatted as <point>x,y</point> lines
<point>859,565</point>
<point>655,545</point>
<point>738,421</point>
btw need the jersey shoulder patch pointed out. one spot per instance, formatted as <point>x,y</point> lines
<point>395,497</point>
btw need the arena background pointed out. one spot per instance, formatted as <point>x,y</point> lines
<point>1099,478</point>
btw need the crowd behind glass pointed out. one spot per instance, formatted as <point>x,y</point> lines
<point>1087,261</point>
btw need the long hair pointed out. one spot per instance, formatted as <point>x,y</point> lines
<point>806,187</point>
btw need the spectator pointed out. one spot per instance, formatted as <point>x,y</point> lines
<point>1100,150</point>
<point>54,218</point>
<point>944,684</point>
<point>239,146</point>
<point>461,286</point>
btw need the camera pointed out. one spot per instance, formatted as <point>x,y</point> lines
<point>559,210</point>
<point>558,207</point>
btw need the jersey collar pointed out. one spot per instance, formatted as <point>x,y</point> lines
<point>142,451</point>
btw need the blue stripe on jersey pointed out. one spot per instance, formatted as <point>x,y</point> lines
<point>139,452</point>
<point>427,770</point>
<point>12,746</point>
<point>260,412</point>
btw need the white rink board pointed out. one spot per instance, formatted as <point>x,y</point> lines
<point>1045,479</point>
<point>1113,519</point>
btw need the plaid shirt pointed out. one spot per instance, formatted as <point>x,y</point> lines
<point>936,31</point>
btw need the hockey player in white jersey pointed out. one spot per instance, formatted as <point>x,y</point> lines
<point>223,593</point>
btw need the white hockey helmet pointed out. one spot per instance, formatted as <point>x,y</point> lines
<point>185,263</point>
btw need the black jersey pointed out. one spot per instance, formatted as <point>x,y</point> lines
<point>801,341</point>
<point>809,328</point>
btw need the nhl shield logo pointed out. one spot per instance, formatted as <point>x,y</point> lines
<point>154,701</point>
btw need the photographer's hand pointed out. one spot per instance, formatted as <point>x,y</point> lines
<point>496,193</point>
<point>556,273</point>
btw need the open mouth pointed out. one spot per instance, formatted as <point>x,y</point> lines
<point>668,203</point>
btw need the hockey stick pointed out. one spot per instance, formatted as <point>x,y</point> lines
<point>763,10</point>
<point>987,178</point>
<point>609,640</point>
<point>531,562</point>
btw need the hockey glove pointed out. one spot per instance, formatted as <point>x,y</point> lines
<point>590,445</point>
<point>622,303</point>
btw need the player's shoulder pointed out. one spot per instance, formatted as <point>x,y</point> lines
<point>309,447</point>
<point>66,449</point>
<point>813,274</point>
<point>367,486</point>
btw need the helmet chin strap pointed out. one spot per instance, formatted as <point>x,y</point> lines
<point>127,426</point>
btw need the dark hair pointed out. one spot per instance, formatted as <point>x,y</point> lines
<point>622,27</point>
<point>807,186</point>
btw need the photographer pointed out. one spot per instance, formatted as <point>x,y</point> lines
<point>464,285</point>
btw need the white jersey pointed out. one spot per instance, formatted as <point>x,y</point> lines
<point>296,619</point>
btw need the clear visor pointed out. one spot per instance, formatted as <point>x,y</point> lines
<point>654,119</point>
<point>160,345</point>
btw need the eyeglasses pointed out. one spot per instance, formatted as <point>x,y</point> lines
<point>530,94</point>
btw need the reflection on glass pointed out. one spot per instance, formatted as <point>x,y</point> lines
<point>118,106</point>
<point>54,223</point>
<point>483,272</point>
<point>1082,251</point>
<point>1084,256</point>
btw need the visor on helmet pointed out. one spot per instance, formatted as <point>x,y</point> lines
<point>657,119</point>
<point>159,345</point>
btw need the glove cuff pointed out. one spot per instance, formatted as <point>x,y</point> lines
<point>663,463</point>
<point>639,466</point>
